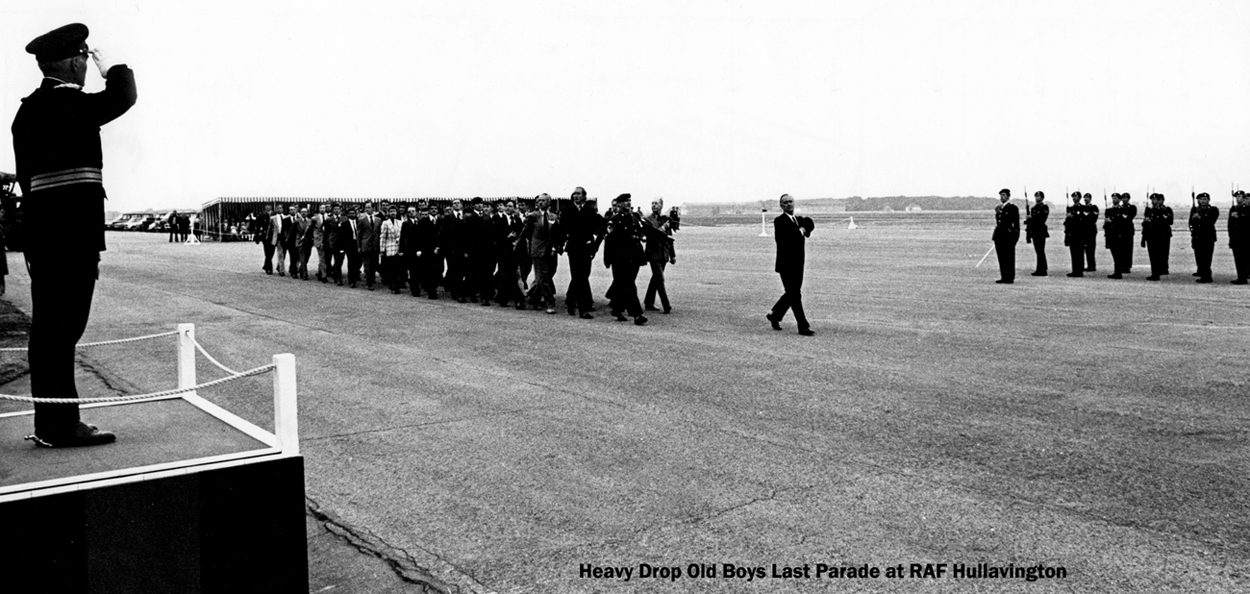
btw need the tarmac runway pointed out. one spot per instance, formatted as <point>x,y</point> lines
<point>1092,425</point>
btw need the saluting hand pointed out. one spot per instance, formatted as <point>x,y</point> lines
<point>101,61</point>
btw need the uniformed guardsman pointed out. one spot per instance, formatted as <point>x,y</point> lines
<point>1110,228</point>
<point>1074,229</point>
<point>1035,230</point>
<point>56,144</point>
<point>1006,235</point>
<point>1091,231</point>
<point>1124,235</point>
<point>1202,220</point>
<point>1239,236</point>
<point>1156,235</point>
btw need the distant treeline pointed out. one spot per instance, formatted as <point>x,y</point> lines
<point>852,204</point>
<point>887,203</point>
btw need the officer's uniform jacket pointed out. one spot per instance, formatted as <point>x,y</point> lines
<point>1006,223</point>
<point>59,164</point>
<point>1035,223</point>
<point>1202,224</point>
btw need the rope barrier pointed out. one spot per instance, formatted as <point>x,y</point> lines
<point>97,344</point>
<point>32,400</point>
<point>211,359</point>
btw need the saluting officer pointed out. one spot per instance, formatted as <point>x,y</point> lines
<point>1202,220</point>
<point>1239,236</point>
<point>1156,235</point>
<point>1035,231</point>
<point>1006,235</point>
<point>1074,229</point>
<point>1091,231</point>
<point>56,144</point>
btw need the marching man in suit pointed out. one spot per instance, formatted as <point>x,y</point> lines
<point>791,234</point>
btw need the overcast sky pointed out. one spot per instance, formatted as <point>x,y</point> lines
<point>693,101</point>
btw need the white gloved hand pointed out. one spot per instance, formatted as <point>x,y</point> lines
<point>101,61</point>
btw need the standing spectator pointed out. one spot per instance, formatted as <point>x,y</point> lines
<point>659,254</point>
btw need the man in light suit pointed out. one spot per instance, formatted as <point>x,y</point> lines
<point>543,232</point>
<point>790,233</point>
<point>279,231</point>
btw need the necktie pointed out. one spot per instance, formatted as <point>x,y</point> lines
<point>545,221</point>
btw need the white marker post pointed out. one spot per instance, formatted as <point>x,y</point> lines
<point>763,227</point>
<point>186,358</point>
<point>285,420</point>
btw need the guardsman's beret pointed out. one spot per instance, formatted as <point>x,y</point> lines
<point>1125,195</point>
<point>1039,194</point>
<point>1204,195</point>
<point>58,44</point>
<point>1004,191</point>
<point>1239,193</point>
<point>1076,194</point>
<point>1087,195</point>
<point>623,197</point>
<point>1156,195</point>
<point>1115,195</point>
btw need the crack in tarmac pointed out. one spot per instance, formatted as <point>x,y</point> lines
<point>406,568</point>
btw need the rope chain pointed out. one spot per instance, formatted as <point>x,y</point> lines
<point>96,344</point>
<point>31,400</point>
<point>211,359</point>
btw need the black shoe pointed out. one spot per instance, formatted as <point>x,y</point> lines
<point>1152,277</point>
<point>324,280</point>
<point>351,285</point>
<point>82,435</point>
<point>1196,274</point>
<point>1076,274</point>
<point>1039,273</point>
<point>1003,281</point>
<point>620,317</point>
<point>668,309</point>
<point>776,323</point>
<point>806,332</point>
<point>268,272</point>
<point>463,300</point>
<point>1116,275</point>
<point>370,287</point>
<point>650,308</point>
<point>1204,280</point>
<point>485,304</point>
<point>339,283</point>
<point>1091,270</point>
<point>520,306</point>
<point>586,316</point>
<point>1240,281</point>
<point>572,312</point>
<point>640,321</point>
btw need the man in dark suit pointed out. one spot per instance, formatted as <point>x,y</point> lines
<point>790,233</point>
<point>56,145</point>
<point>583,227</point>
<point>1007,235</point>
<point>507,280</point>
<point>480,247</point>
<point>451,248</point>
<point>349,244</point>
<point>260,234</point>
<point>368,234</point>
<point>409,254</point>
<point>333,243</point>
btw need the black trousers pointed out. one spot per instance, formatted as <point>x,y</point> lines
<point>394,272</point>
<point>1006,259</point>
<point>61,289</point>
<point>433,272</point>
<point>656,286</point>
<point>1076,249</point>
<point>1126,253</point>
<point>578,296</point>
<point>336,265</point>
<point>484,275</point>
<point>1158,249</point>
<point>411,267</point>
<point>1203,252</point>
<point>1241,257</point>
<point>369,260</point>
<point>353,266</point>
<point>268,265</point>
<point>792,299</point>
<point>1091,242</point>
<point>1039,248</point>
<point>623,294</point>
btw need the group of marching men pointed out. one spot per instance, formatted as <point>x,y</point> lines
<point>482,253</point>
<point>1080,234</point>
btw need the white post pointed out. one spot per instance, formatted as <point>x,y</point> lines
<point>763,228</point>
<point>186,358</point>
<point>285,421</point>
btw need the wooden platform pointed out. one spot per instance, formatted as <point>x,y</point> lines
<point>189,499</point>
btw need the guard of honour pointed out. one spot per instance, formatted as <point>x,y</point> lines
<point>484,253</point>
<point>1080,234</point>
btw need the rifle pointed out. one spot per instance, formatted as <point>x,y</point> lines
<point>1104,199</point>
<point>1193,202</point>
<point>1028,238</point>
